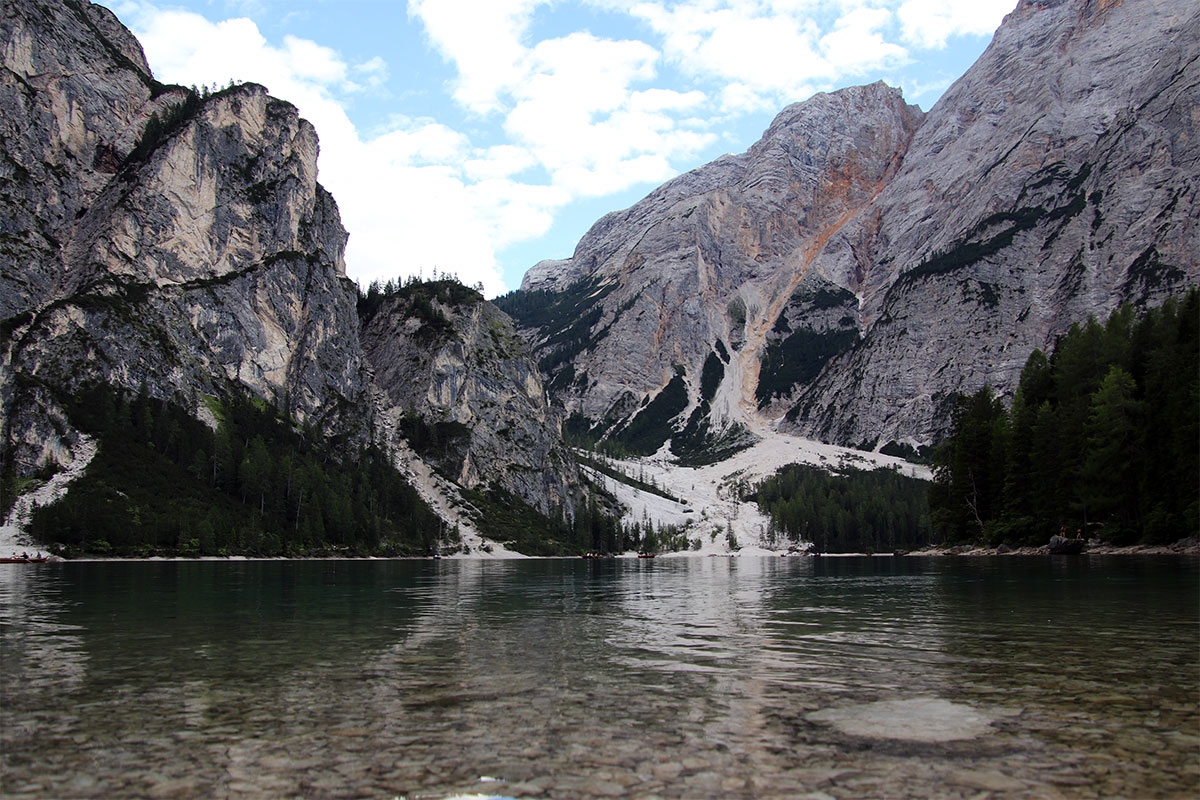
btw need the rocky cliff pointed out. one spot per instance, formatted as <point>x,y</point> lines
<point>1055,180</point>
<point>155,238</point>
<point>863,261</point>
<point>700,271</point>
<point>178,245</point>
<point>458,382</point>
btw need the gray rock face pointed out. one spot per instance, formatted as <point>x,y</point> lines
<point>707,263</point>
<point>176,242</point>
<point>443,355</point>
<point>136,252</point>
<point>63,132</point>
<point>862,262</point>
<point>549,275</point>
<point>153,238</point>
<point>1055,180</point>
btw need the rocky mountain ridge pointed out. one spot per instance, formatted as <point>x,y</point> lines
<point>842,279</point>
<point>178,245</point>
<point>863,262</point>
<point>1053,181</point>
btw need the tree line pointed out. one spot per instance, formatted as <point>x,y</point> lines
<point>849,511</point>
<point>1102,439</point>
<point>420,292</point>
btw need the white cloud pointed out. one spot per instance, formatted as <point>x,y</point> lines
<point>856,44</point>
<point>753,47</point>
<point>483,40</point>
<point>421,143</point>
<point>577,110</point>
<point>374,71</point>
<point>500,161</point>
<point>930,23</point>
<point>186,47</point>
<point>309,61</point>
<point>767,53</point>
<point>576,102</point>
<point>762,54</point>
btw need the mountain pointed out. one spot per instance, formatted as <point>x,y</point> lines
<point>157,238</point>
<point>177,246</point>
<point>864,262</point>
<point>1054,181</point>
<point>174,303</point>
<point>459,384</point>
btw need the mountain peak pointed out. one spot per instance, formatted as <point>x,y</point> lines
<point>864,261</point>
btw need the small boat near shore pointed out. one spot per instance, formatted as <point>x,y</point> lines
<point>38,559</point>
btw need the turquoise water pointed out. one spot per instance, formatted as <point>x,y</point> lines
<point>691,677</point>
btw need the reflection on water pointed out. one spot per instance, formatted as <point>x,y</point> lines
<point>673,678</point>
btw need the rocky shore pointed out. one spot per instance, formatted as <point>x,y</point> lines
<point>1188,546</point>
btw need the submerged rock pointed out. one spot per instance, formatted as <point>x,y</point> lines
<point>921,719</point>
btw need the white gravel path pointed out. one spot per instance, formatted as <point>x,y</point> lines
<point>13,538</point>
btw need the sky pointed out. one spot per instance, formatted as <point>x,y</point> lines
<point>477,137</point>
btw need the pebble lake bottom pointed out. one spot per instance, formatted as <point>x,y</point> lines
<point>1040,677</point>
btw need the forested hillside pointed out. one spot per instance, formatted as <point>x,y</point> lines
<point>164,483</point>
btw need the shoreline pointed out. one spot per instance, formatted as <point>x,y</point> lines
<point>1184,547</point>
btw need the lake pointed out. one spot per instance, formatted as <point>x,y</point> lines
<point>668,677</point>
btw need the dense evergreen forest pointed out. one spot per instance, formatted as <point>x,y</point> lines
<point>1102,440</point>
<point>164,483</point>
<point>849,511</point>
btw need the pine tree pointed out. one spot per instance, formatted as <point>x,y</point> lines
<point>1111,465</point>
<point>254,474</point>
<point>969,467</point>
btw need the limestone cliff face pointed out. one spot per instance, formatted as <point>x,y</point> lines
<point>1056,180</point>
<point>445,357</point>
<point>156,238</point>
<point>705,265</point>
<point>68,99</point>
<point>863,261</point>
